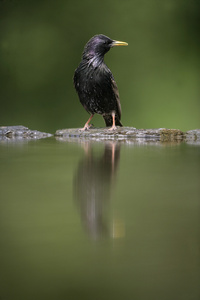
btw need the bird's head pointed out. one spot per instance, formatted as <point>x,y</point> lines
<point>98,45</point>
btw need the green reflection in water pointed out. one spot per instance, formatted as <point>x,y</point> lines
<point>142,243</point>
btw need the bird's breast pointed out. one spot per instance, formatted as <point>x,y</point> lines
<point>89,78</point>
<point>94,87</point>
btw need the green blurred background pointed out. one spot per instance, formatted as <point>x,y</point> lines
<point>157,74</point>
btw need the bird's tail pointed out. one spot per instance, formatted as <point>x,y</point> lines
<point>109,121</point>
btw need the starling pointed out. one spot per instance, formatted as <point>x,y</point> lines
<point>95,84</point>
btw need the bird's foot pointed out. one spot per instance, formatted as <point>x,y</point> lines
<point>113,128</point>
<point>86,127</point>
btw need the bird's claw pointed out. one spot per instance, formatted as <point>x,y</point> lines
<point>112,128</point>
<point>86,127</point>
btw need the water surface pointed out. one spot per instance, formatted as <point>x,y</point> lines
<point>93,220</point>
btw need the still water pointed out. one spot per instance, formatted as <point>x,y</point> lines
<point>92,220</point>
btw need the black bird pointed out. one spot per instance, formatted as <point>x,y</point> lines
<point>95,84</point>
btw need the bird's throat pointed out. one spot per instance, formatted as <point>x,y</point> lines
<point>95,61</point>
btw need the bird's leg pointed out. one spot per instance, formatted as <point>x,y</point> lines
<point>113,125</point>
<point>87,126</point>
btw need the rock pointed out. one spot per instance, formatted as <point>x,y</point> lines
<point>122,133</point>
<point>193,136</point>
<point>20,133</point>
<point>126,134</point>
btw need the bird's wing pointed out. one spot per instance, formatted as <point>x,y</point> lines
<point>116,93</point>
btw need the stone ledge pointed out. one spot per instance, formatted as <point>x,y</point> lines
<point>21,132</point>
<point>131,134</point>
<point>121,133</point>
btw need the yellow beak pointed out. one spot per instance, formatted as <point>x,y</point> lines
<point>118,43</point>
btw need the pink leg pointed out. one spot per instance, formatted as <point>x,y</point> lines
<point>113,125</point>
<point>87,126</point>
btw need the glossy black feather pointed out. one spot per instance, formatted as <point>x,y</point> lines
<point>95,83</point>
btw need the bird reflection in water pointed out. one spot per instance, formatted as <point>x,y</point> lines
<point>93,182</point>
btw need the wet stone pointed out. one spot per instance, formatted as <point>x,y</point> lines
<point>20,132</point>
<point>193,136</point>
<point>162,134</point>
<point>126,134</point>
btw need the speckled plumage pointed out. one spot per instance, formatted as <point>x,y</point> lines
<point>94,82</point>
